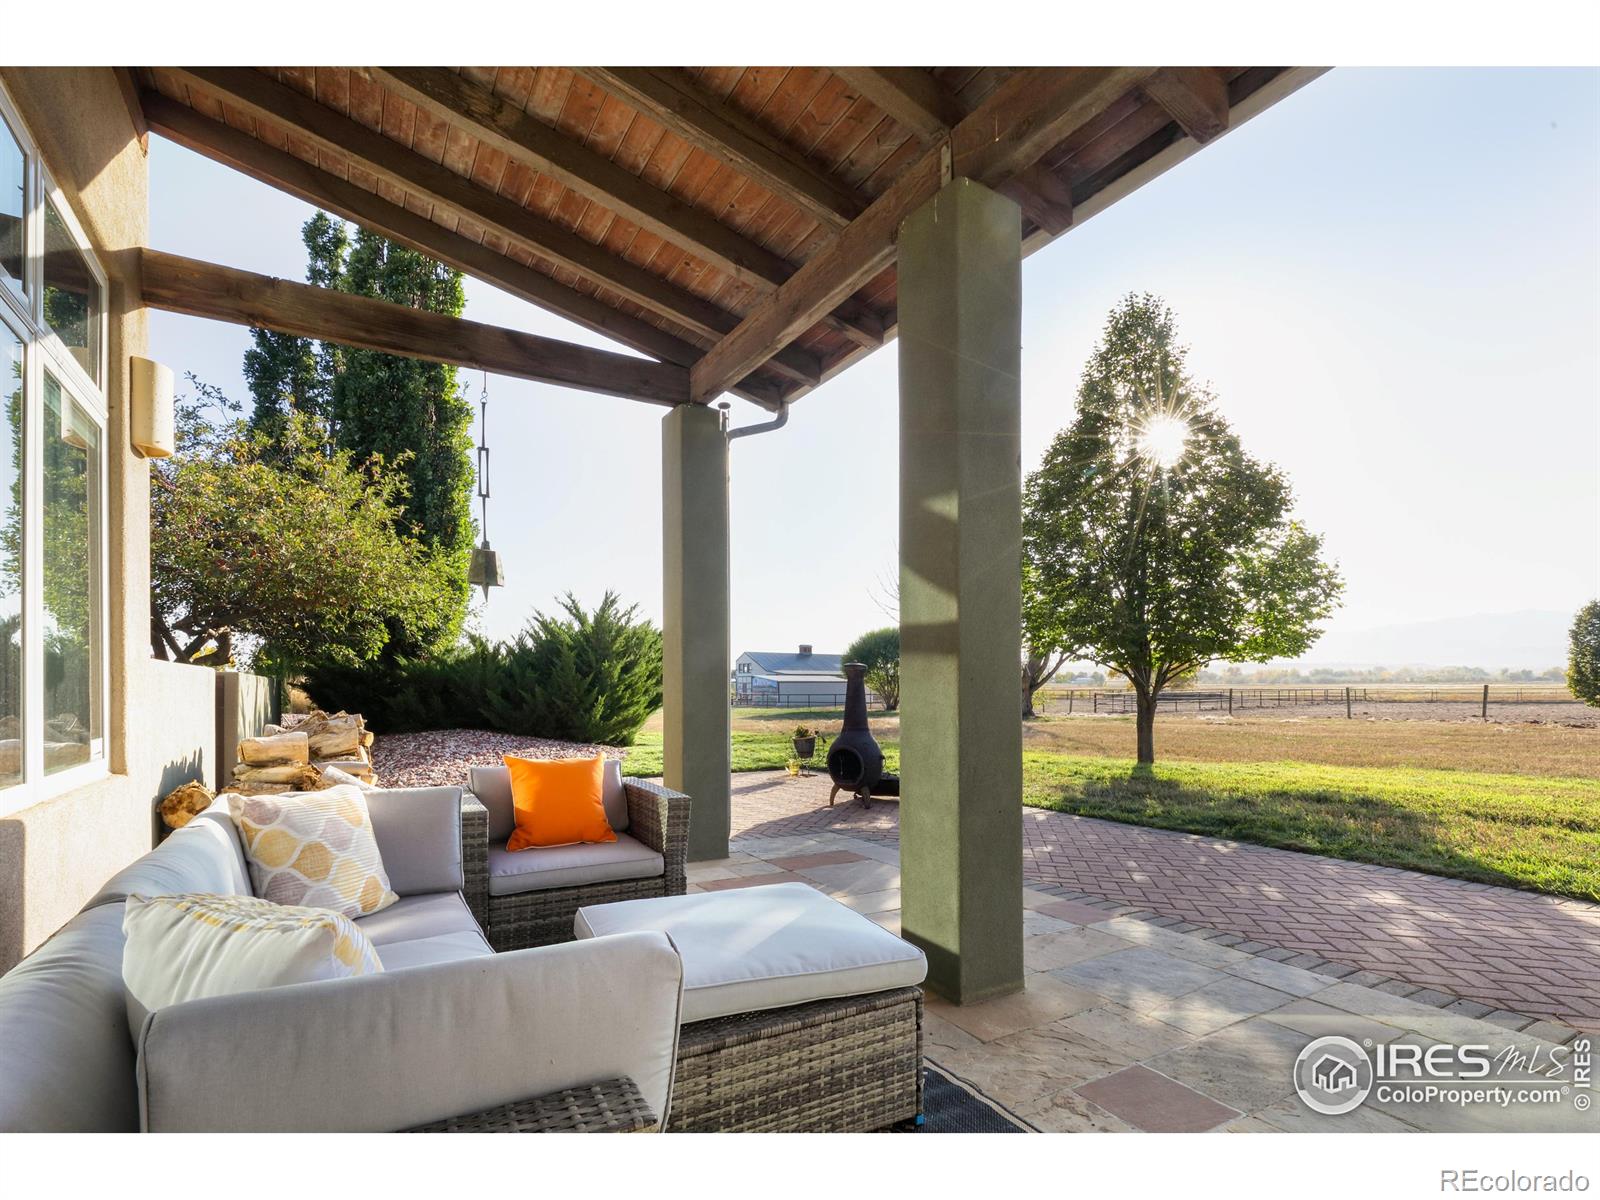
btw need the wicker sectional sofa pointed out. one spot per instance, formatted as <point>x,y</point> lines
<point>442,1039</point>
<point>531,897</point>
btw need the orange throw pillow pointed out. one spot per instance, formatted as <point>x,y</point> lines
<point>558,801</point>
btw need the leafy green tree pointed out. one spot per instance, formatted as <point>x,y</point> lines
<point>1157,545</point>
<point>281,541</point>
<point>879,650</point>
<point>380,407</point>
<point>1583,655</point>
<point>1042,654</point>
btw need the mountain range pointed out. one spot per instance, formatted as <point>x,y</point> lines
<point>1529,640</point>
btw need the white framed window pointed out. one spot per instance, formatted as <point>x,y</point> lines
<point>53,506</point>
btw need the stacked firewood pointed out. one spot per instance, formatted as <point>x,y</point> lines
<point>315,752</point>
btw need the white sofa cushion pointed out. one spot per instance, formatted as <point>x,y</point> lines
<point>512,872</point>
<point>66,1061</point>
<point>434,927</point>
<point>418,831</point>
<point>204,856</point>
<point>492,787</point>
<point>401,1048</point>
<point>422,952</point>
<point>189,947</point>
<point>749,949</point>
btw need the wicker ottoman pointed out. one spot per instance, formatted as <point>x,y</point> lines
<point>799,1015</point>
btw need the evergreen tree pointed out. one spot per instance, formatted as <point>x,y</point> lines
<point>380,408</point>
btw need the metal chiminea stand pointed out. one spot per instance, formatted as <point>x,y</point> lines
<point>855,760</point>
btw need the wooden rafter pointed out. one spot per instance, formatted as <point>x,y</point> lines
<point>1195,97</point>
<point>284,171</point>
<point>459,101</point>
<point>798,166</point>
<point>1027,115</point>
<point>671,98</point>
<point>203,289</point>
<point>339,137</point>
<point>128,85</point>
<point>915,99</point>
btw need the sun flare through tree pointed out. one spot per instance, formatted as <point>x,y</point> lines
<point>1152,542</point>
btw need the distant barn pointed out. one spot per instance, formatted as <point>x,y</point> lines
<point>783,679</point>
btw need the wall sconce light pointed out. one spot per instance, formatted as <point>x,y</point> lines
<point>150,396</point>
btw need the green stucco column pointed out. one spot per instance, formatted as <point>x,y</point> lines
<point>960,299</point>
<point>694,505</point>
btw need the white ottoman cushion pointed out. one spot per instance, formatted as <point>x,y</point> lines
<point>748,949</point>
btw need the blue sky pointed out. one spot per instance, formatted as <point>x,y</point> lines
<point>1391,280</point>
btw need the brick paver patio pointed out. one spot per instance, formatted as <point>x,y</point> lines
<point>1501,950</point>
<point>1143,1023</point>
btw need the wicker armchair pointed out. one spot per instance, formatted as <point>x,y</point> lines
<point>657,816</point>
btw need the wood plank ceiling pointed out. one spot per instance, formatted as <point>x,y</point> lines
<point>736,222</point>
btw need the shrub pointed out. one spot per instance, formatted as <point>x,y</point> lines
<point>590,677</point>
<point>583,677</point>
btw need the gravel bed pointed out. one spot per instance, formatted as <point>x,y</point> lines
<point>441,757</point>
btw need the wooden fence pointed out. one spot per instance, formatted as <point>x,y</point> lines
<point>1123,701</point>
<point>808,701</point>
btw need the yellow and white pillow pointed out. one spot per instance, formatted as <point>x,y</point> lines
<point>188,947</point>
<point>315,849</point>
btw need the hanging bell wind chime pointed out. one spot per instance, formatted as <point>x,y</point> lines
<point>486,571</point>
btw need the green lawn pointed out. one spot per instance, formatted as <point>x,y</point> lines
<point>751,752</point>
<point>1538,833</point>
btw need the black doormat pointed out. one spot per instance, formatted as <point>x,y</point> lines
<point>952,1105</point>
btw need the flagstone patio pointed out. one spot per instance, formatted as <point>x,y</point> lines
<point>1130,1020</point>
<point>1514,958</point>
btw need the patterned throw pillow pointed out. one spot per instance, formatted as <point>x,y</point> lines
<point>315,849</point>
<point>188,947</point>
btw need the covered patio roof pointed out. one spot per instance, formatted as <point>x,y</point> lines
<point>736,224</point>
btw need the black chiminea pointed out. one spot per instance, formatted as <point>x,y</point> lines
<point>855,763</point>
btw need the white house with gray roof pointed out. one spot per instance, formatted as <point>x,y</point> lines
<point>800,678</point>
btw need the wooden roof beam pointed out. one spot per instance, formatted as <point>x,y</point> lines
<point>128,85</point>
<point>202,289</point>
<point>672,99</point>
<point>277,168</point>
<point>265,98</point>
<point>1027,115</point>
<point>918,101</point>
<point>1195,97</point>
<point>459,101</point>
<point>912,96</point>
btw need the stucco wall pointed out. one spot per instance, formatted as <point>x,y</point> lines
<point>245,703</point>
<point>54,854</point>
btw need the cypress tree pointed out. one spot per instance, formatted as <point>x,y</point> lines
<point>405,413</point>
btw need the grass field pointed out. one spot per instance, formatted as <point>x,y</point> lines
<point>1540,833</point>
<point>1329,740</point>
<point>1510,804</point>
<point>761,741</point>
